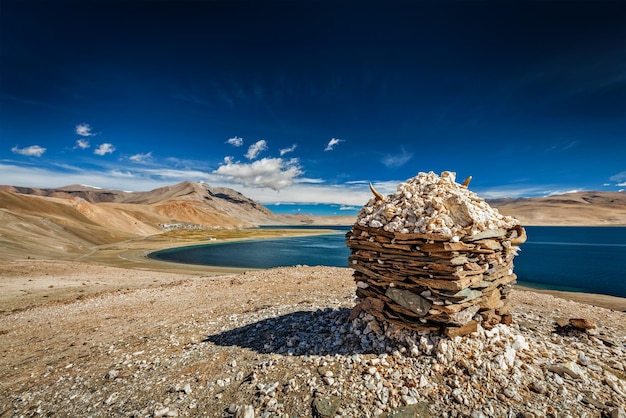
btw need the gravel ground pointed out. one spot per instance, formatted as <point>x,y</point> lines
<point>280,343</point>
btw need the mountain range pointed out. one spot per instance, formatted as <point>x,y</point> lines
<point>78,218</point>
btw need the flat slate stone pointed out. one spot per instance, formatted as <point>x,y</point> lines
<point>325,407</point>
<point>419,410</point>
<point>409,300</point>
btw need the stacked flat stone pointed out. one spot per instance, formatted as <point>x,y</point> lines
<point>434,256</point>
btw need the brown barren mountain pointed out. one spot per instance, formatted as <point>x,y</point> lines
<point>74,219</point>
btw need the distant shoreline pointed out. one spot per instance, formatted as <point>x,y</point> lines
<point>605,301</point>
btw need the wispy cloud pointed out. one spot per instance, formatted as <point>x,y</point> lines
<point>235,141</point>
<point>141,158</point>
<point>32,151</point>
<point>618,177</point>
<point>124,174</point>
<point>188,164</point>
<point>397,160</point>
<point>82,144</point>
<point>562,146</point>
<point>286,150</point>
<point>332,143</point>
<point>173,174</point>
<point>104,149</point>
<point>83,129</point>
<point>255,149</point>
<point>522,191</point>
<point>309,180</point>
<point>273,173</point>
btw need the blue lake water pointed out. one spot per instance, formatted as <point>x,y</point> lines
<point>580,259</point>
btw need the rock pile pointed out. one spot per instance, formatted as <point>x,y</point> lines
<point>433,255</point>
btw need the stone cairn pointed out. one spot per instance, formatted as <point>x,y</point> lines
<point>434,257</point>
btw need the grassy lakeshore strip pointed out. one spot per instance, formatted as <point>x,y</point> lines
<point>134,253</point>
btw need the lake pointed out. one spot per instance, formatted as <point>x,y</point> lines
<point>579,259</point>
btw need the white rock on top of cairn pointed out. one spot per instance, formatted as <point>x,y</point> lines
<point>433,255</point>
<point>432,204</point>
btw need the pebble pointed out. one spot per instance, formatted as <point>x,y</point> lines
<point>111,374</point>
<point>244,411</point>
<point>539,387</point>
<point>617,413</point>
<point>567,369</point>
<point>161,412</point>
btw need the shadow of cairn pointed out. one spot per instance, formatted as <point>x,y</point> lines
<point>302,333</point>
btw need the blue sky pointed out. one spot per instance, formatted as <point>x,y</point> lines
<point>306,102</point>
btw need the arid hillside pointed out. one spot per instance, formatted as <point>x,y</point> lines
<point>75,219</point>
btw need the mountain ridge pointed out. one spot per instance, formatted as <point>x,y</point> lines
<point>577,208</point>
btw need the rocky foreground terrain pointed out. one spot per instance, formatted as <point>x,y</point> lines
<point>282,343</point>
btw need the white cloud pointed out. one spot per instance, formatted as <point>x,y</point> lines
<point>141,158</point>
<point>397,160</point>
<point>83,129</point>
<point>82,144</point>
<point>274,173</point>
<point>235,141</point>
<point>255,149</point>
<point>32,151</point>
<point>286,150</point>
<point>621,184</point>
<point>331,144</point>
<point>103,149</point>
